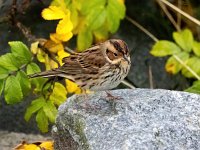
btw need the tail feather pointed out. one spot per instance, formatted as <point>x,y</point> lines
<point>45,74</point>
<point>52,73</point>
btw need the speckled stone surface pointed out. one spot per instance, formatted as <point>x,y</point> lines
<point>141,119</point>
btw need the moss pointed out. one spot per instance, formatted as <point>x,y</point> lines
<point>79,126</point>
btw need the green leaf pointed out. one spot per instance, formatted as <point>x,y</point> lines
<point>91,5</point>
<point>3,73</point>
<point>195,88</point>
<point>113,16</point>
<point>184,39</point>
<point>24,82</point>
<point>20,51</point>
<point>193,63</point>
<point>96,18</point>
<point>58,95</point>
<point>13,92</point>
<point>173,66</point>
<point>38,82</point>
<point>196,48</point>
<point>2,82</point>
<point>164,48</point>
<point>119,6</point>
<point>34,107</point>
<point>50,111</point>
<point>74,15</point>
<point>101,34</point>
<point>84,40</point>
<point>32,68</point>
<point>42,121</point>
<point>8,62</point>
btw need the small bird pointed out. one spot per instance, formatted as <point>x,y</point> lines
<point>101,67</point>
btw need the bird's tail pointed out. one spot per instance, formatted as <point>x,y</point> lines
<point>45,74</point>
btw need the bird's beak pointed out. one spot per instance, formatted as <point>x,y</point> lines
<point>127,59</point>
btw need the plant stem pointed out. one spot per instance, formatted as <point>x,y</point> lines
<point>156,40</point>
<point>181,12</point>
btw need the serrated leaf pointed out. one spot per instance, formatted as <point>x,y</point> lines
<point>58,95</point>
<point>164,48</point>
<point>96,18</point>
<point>20,51</point>
<point>32,68</point>
<point>113,16</point>
<point>2,82</point>
<point>42,121</point>
<point>13,92</point>
<point>184,39</point>
<point>61,3</point>
<point>91,5</point>
<point>101,34</point>
<point>24,82</point>
<point>3,73</point>
<point>195,88</point>
<point>74,15</point>
<point>84,40</point>
<point>38,82</point>
<point>196,48</point>
<point>193,63</point>
<point>34,107</point>
<point>119,6</point>
<point>173,66</point>
<point>8,62</point>
<point>50,111</point>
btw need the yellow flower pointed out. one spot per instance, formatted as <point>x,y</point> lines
<point>61,55</point>
<point>64,27</point>
<point>53,46</point>
<point>57,38</point>
<point>72,87</point>
<point>53,13</point>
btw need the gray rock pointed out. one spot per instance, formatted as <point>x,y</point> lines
<point>142,119</point>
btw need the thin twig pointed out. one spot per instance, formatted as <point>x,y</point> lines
<point>69,50</point>
<point>142,28</point>
<point>150,78</point>
<point>156,40</point>
<point>31,38</point>
<point>128,84</point>
<point>181,12</point>
<point>26,32</point>
<point>164,8</point>
<point>186,66</point>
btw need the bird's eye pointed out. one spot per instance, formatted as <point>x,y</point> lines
<point>115,54</point>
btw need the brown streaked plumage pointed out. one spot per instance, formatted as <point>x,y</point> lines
<point>100,67</point>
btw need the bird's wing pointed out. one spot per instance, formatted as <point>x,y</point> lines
<point>88,62</point>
